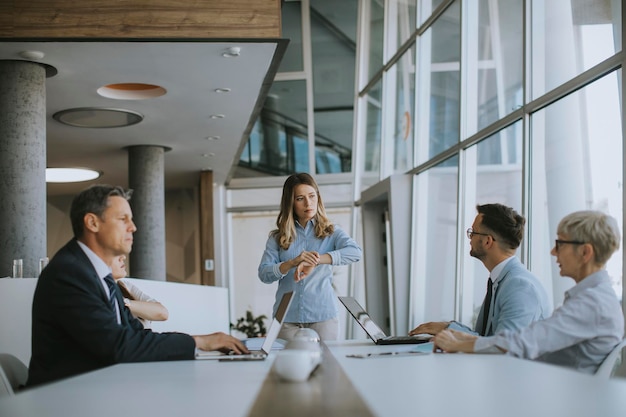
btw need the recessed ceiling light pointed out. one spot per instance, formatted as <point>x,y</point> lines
<point>213,138</point>
<point>64,175</point>
<point>217,116</point>
<point>97,117</point>
<point>232,52</point>
<point>131,91</point>
<point>222,90</point>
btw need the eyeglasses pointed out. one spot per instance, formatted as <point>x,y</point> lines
<point>558,242</point>
<point>470,233</point>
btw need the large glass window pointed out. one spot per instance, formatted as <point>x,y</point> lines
<point>433,274</point>
<point>495,61</point>
<point>426,8</point>
<point>373,131</point>
<point>292,30</point>
<point>333,42</point>
<point>405,20</point>
<point>439,83</point>
<point>402,74</point>
<point>278,142</point>
<point>577,165</point>
<point>571,37</point>
<point>491,177</point>
<point>376,14</point>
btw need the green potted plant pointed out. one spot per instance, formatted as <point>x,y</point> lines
<point>250,325</point>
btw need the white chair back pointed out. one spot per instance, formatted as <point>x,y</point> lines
<point>13,374</point>
<point>613,362</point>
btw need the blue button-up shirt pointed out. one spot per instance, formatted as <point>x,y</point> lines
<point>314,298</point>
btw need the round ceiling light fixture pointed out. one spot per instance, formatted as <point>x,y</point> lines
<point>131,91</point>
<point>66,175</point>
<point>96,117</point>
<point>32,55</point>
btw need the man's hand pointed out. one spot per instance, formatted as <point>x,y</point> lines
<point>452,341</point>
<point>433,327</point>
<point>220,341</point>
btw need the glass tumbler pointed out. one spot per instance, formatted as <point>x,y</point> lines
<point>42,264</point>
<point>18,266</point>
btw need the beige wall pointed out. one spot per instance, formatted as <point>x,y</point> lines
<point>181,232</point>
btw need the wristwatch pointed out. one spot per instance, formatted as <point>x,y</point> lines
<point>127,302</point>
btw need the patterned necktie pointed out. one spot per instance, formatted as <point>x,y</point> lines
<point>112,291</point>
<point>487,306</point>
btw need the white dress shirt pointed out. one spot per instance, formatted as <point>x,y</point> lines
<point>579,334</point>
<point>102,269</point>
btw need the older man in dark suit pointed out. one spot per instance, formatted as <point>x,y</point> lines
<point>79,321</point>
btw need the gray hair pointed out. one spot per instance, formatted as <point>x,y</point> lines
<point>594,227</point>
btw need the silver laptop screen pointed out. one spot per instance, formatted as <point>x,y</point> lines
<point>277,322</point>
<point>361,316</point>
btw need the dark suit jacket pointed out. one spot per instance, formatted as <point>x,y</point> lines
<point>75,330</point>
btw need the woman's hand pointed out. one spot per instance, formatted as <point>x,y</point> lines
<point>311,258</point>
<point>453,341</point>
<point>302,271</point>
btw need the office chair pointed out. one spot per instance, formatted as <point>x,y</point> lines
<point>13,374</point>
<point>612,365</point>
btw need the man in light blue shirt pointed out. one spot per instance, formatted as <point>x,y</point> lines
<point>516,298</point>
<point>590,323</point>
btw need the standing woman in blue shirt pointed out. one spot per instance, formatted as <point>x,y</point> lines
<point>300,255</point>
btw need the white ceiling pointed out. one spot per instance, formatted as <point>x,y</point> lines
<point>190,71</point>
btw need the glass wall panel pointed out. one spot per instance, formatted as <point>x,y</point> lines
<point>404,73</point>
<point>292,30</point>
<point>495,61</point>
<point>278,142</point>
<point>493,176</point>
<point>405,20</point>
<point>375,40</point>
<point>334,54</point>
<point>571,36</point>
<point>433,274</point>
<point>373,126</point>
<point>425,9</point>
<point>577,165</point>
<point>439,84</point>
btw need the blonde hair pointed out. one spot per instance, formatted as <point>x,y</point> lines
<point>286,221</point>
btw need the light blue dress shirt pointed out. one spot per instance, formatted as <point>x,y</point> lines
<point>579,334</point>
<point>314,298</point>
<point>518,300</point>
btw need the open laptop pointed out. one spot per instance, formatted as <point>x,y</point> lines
<point>272,334</point>
<point>373,330</point>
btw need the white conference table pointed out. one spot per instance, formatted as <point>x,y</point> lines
<point>178,388</point>
<point>431,384</point>
<point>438,384</point>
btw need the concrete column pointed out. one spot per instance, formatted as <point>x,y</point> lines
<point>22,166</point>
<point>146,179</point>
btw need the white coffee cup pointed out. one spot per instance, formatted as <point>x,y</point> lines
<point>314,348</point>
<point>294,365</point>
